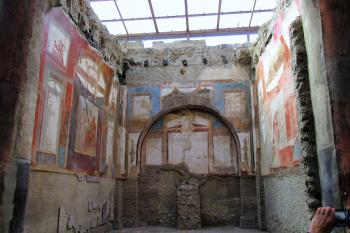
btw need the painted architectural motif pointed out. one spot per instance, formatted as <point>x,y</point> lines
<point>77,105</point>
<point>277,99</point>
<point>196,139</point>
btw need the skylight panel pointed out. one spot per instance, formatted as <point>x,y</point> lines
<point>236,5</point>
<point>202,22</point>
<point>105,10</point>
<point>134,8</point>
<point>218,40</point>
<point>115,28</point>
<point>260,18</point>
<point>168,7</point>
<point>172,24</point>
<point>202,6</point>
<point>253,37</point>
<point>140,26</point>
<point>265,4</point>
<point>234,20</point>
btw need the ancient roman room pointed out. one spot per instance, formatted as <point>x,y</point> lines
<point>159,116</point>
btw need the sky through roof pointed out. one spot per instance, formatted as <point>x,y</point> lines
<point>216,21</point>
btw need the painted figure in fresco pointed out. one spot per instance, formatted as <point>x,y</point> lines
<point>90,133</point>
<point>59,50</point>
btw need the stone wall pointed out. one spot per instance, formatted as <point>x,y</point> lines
<point>286,203</point>
<point>67,202</point>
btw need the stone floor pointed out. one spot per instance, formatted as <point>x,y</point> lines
<point>172,230</point>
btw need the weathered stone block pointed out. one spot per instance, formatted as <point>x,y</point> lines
<point>188,206</point>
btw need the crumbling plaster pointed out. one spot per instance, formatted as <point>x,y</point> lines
<point>185,62</point>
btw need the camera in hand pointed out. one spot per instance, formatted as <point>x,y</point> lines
<point>342,218</point>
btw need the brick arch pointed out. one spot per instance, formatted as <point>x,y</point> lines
<point>180,104</point>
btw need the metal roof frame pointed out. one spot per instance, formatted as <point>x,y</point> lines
<point>188,33</point>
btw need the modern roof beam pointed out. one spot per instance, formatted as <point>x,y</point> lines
<point>251,16</point>
<point>121,17</point>
<point>194,33</point>
<point>219,12</point>
<point>184,16</point>
<point>153,17</point>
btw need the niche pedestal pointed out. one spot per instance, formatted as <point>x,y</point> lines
<point>188,206</point>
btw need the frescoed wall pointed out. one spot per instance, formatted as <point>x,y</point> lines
<point>79,125</point>
<point>188,137</point>
<point>277,98</point>
<point>196,139</point>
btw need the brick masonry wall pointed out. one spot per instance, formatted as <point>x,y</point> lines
<point>248,202</point>
<point>157,196</point>
<point>151,199</point>
<point>130,203</point>
<point>118,205</point>
<point>220,201</point>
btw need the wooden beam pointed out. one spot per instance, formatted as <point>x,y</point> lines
<point>185,34</point>
<point>153,17</point>
<point>121,17</point>
<point>251,16</point>
<point>219,13</point>
<point>184,16</point>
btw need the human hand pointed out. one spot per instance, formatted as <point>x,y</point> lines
<point>323,220</point>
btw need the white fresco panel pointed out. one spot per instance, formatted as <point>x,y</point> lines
<point>154,151</point>
<point>190,148</point>
<point>122,141</point>
<point>142,106</point>
<point>246,156</point>
<point>132,145</point>
<point>235,103</point>
<point>109,146</point>
<point>222,151</point>
<point>52,111</point>
<point>58,43</point>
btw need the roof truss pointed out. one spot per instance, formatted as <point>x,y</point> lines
<point>187,33</point>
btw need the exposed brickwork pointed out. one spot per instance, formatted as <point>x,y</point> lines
<point>156,201</point>
<point>220,201</point>
<point>130,203</point>
<point>118,205</point>
<point>248,202</point>
<point>158,196</point>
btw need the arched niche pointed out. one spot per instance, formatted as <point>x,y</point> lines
<point>199,129</point>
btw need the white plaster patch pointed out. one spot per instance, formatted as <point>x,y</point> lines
<point>154,151</point>
<point>235,103</point>
<point>132,144</point>
<point>246,154</point>
<point>141,107</point>
<point>121,132</point>
<point>222,151</point>
<point>190,148</point>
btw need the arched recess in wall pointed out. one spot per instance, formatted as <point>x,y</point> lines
<point>190,107</point>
